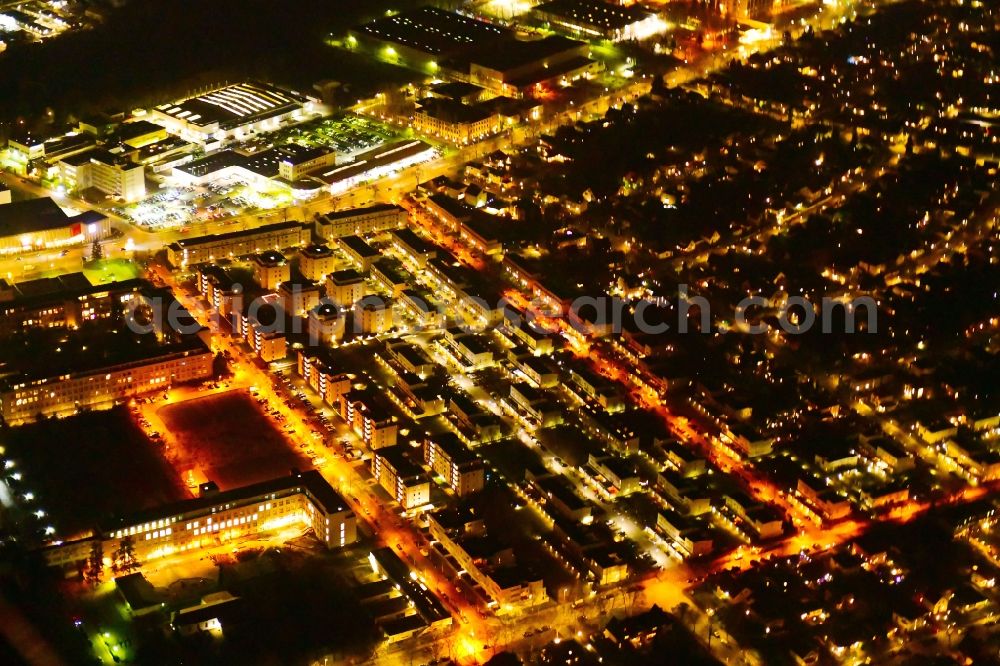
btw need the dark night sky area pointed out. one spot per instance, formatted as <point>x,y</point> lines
<point>153,49</point>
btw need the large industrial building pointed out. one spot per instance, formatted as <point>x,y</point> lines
<point>374,164</point>
<point>596,19</point>
<point>40,223</point>
<point>513,67</point>
<point>234,111</point>
<point>426,35</point>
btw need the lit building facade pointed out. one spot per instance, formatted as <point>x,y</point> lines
<point>400,477</point>
<point>205,249</point>
<point>450,459</point>
<point>303,500</point>
<point>270,268</point>
<point>360,221</point>
<point>111,174</point>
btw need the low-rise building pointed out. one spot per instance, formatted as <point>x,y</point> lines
<point>373,315</point>
<point>36,224</point>
<point>296,161</point>
<point>25,396</point>
<point>454,121</point>
<point>219,289</point>
<point>389,275</point>
<point>112,174</point>
<point>358,251</point>
<point>412,247</point>
<point>370,417</point>
<point>320,373</point>
<point>262,330</point>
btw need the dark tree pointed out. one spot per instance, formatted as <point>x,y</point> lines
<point>124,556</point>
<point>94,571</point>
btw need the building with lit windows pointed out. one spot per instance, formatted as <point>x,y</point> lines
<point>101,361</point>
<point>374,164</point>
<point>326,324</point>
<point>299,297</point>
<point>302,500</point>
<point>232,112</point>
<point>112,174</point>
<point>452,460</point>
<point>373,315</point>
<point>370,417</point>
<point>389,274</point>
<point>219,289</point>
<point>358,221</point>
<point>403,479</point>
<point>455,122</point>
<point>205,249</point>
<point>412,247</point>
<point>296,161</point>
<point>425,36</point>
<point>27,395</point>
<point>490,564</point>
<point>270,268</point>
<point>316,368</point>
<point>262,330</point>
<point>66,301</point>
<point>359,252</point>
<point>317,261</point>
<point>345,288</point>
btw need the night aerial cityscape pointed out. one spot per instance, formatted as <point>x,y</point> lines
<point>499,332</point>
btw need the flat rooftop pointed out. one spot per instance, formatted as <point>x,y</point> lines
<point>33,215</point>
<point>516,54</point>
<point>594,13</point>
<point>374,159</point>
<point>265,163</point>
<point>357,212</point>
<point>310,481</point>
<point>234,105</point>
<point>47,353</point>
<point>357,245</point>
<point>452,111</point>
<point>433,31</point>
